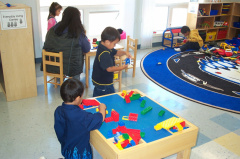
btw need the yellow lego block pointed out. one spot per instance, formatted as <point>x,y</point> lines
<point>119,146</point>
<point>179,126</point>
<point>115,76</point>
<point>124,93</point>
<point>168,123</point>
<point>97,110</point>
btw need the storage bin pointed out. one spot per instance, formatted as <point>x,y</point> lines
<point>222,34</point>
<point>236,24</point>
<point>211,36</point>
<point>213,12</point>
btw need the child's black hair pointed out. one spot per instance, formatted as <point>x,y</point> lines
<point>185,29</point>
<point>53,8</point>
<point>71,89</point>
<point>110,33</point>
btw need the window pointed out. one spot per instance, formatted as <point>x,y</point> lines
<point>160,18</point>
<point>170,13</point>
<point>98,21</point>
<point>179,17</point>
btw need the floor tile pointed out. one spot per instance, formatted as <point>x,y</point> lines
<point>230,141</point>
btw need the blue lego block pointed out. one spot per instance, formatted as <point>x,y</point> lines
<point>132,142</point>
<point>129,145</point>
<point>127,61</point>
<point>121,123</point>
<point>141,99</point>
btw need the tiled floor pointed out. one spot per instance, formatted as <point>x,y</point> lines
<point>26,126</point>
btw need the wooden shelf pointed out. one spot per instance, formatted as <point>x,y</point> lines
<point>195,21</point>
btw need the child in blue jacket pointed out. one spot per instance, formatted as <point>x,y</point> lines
<point>72,124</point>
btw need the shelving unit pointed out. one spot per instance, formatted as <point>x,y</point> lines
<point>213,14</point>
<point>171,37</point>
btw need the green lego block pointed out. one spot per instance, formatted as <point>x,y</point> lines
<point>135,97</point>
<point>146,110</point>
<point>143,103</point>
<point>142,134</point>
<point>161,113</point>
<point>125,136</point>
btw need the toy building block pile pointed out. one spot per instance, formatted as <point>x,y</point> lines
<point>174,124</point>
<point>228,51</point>
<point>87,103</point>
<point>130,97</point>
<point>129,137</point>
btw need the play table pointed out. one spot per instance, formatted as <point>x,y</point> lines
<point>155,144</point>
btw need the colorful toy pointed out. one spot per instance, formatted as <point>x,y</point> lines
<point>127,99</point>
<point>131,117</point>
<point>168,123</point>
<point>97,110</point>
<point>143,103</point>
<point>135,97</point>
<point>127,61</point>
<point>114,117</point>
<point>146,110</point>
<point>161,113</point>
<point>124,93</point>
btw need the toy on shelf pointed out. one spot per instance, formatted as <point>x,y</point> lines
<point>202,12</point>
<point>206,24</point>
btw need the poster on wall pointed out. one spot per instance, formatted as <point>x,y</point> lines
<point>13,19</point>
<point>193,8</point>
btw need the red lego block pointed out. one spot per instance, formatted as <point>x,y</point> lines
<point>174,127</point>
<point>183,124</point>
<point>90,102</point>
<point>127,98</point>
<point>124,143</point>
<point>115,115</point>
<point>131,93</point>
<point>133,116</point>
<point>81,106</point>
<point>109,119</point>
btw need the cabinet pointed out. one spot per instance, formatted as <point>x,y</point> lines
<point>17,66</point>
<point>235,19</point>
<point>214,20</point>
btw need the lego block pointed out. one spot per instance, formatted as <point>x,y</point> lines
<point>135,97</point>
<point>141,99</point>
<point>142,134</point>
<point>146,110</point>
<point>168,123</point>
<point>127,61</point>
<point>129,145</point>
<point>179,126</point>
<point>90,102</point>
<point>125,136</point>
<point>133,116</point>
<point>121,123</point>
<point>124,92</point>
<point>81,106</point>
<point>119,146</point>
<point>124,143</point>
<point>131,93</point>
<point>115,115</point>
<point>183,124</point>
<point>109,119</point>
<point>132,143</point>
<point>161,113</point>
<point>143,103</point>
<point>97,110</point>
<point>127,99</point>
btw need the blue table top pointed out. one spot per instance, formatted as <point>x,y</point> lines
<point>145,123</point>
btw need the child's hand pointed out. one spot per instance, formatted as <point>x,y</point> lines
<point>129,55</point>
<point>124,66</point>
<point>102,110</point>
<point>102,107</point>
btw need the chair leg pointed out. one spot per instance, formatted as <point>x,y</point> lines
<point>55,81</point>
<point>120,81</point>
<point>134,67</point>
<point>61,80</point>
<point>45,84</point>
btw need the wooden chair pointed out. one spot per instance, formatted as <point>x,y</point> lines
<point>118,74</point>
<point>131,44</point>
<point>53,59</point>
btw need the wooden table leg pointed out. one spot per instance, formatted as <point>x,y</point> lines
<point>185,154</point>
<point>86,69</point>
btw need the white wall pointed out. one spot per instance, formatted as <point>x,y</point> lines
<point>35,20</point>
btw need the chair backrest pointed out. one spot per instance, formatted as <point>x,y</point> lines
<point>54,59</point>
<point>132,44</point>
